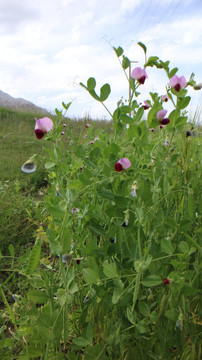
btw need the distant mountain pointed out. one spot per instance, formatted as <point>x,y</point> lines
<point>19,104</point>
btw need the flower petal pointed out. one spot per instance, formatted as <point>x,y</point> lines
<point>161,114</point>
<point>125,163</point>
<point>182,82</point>
<point>45,124</point>
<point>173,81</point>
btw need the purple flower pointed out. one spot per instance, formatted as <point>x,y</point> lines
<point>146,105</point>
<point>64,125</point>
<point>165,98</point>
<point>122,164</point>
<point>87,126</point>
<point>139,74</point>
<point>152,129</point>
<point>62,133</point>
<point>161,117</point>
<point>178,83</point>
<point>42,126</point>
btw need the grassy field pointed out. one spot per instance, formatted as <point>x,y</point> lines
<point>20,191</point>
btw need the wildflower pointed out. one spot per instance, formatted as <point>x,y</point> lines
<point>42,126</point>
<point>146,105</point>
<point>62,133</point>
<point>166,143</point>
<point>92,142</point>
<point>65,258</point>
<point>152,129</point>
<point>134,188</point>
<point>96,138</point>
<point>122,164</point>
<point>165,98</point>
<point>139,74</point>
<point>87,126</point>
<point>198,86</point>
<point>29,166</point>
<point>178,83</point>
<point>74,210</point>
<point>161,117</point>
<point>64,125</point>
<point>166,281</point>
<point>78,260</point>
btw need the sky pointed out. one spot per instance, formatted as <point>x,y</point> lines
<point>47,47</point>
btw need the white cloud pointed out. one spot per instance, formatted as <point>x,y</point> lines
<point>47,47</point>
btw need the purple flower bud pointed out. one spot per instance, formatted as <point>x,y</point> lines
<point>146,105</point>
<point>165,98</point>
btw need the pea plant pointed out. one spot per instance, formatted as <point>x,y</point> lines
<point>115,269</point>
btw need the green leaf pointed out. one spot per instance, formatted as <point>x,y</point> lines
<point>151,61</point>
<point>119,51</point>
<point>90,276</point>
<point>11,250</point>
<point>94,95</point>
<point>143,308</point>
<point>104,92</point>
<point>166,246</point>
<point>131,315</point>
<point>80,151</point>
<point>191,206</point>
<point>118,290</point>
<point>127,119</point>
<point>37,296</point>
<point>81,341</point>
<point>55,212</point>
<point>139,114</point>
<point>110,270</point>
<point>172,72</point>
<point>125,62</point>
<point>91,83</point>
<point>66,241</point>
<point>106,194</point>
<point>181,121</point>
<point>97,229</point>
<point>142,46</point>
<point>49,165</point>
<point>183,102</point>
<point>151,280</point>
<point>66,106</point>
<point>34,258</point>
<point>184,247</point>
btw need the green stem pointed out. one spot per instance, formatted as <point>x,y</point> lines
<point>139,243</point>
<point>107,110</point>
<point>136,291</point>
<point>8,308</point>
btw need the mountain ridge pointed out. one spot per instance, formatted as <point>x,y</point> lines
<point>20,104</point>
